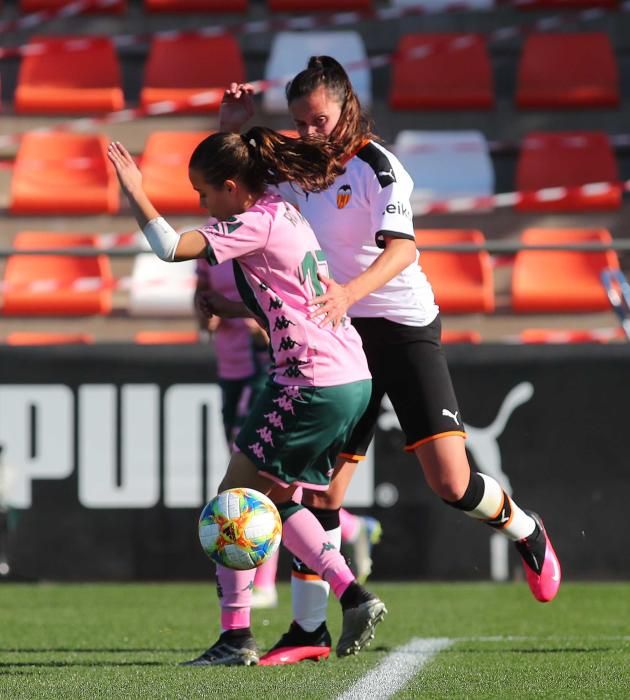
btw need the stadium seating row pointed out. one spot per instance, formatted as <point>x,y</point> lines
<point>176,6</point>
<point>58,172</point>
<point>429,71</point>
<point>542,280</point>
<point>150,337</point>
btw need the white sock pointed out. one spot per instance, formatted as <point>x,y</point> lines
<point>497,509</point>
<point>309,594</point>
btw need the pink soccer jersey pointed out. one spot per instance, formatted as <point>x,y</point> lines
<point>278,259</point>
<point>232,339</point>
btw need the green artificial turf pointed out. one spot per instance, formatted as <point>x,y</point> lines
<point>125,641</point>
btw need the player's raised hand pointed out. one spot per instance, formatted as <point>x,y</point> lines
<point>237,107</point>
<point>129,175</point>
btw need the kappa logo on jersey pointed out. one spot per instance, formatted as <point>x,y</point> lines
<point>343,196</point>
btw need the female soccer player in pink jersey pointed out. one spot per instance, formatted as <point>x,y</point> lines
<point>320,383</point>
<point>241,348</point>
<point>364,224</point>
<point>242,354</point>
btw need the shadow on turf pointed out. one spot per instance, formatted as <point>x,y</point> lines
<point>67,664</point>
<point>100,650</point>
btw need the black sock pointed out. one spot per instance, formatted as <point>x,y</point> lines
<point>237,634</point>
<point>354,595</point>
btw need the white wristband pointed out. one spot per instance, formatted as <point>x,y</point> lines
<point>162,238</point>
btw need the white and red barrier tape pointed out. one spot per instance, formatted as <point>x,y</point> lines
<point>455,205</point>
<point>79,7</point>
<point>36,19</point>
<point>309,22</point>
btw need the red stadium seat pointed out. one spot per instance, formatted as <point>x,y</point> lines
<point>34,338</point>
<point>176,6</point>
<point>567,71</point>
<point>182,66</point>
<point>166,337</point>
<point>561,280</point>
<point>462,282</point>
<point>442,71</point>
<point>568,159</point>
<point>103,7</point>
<point>49,285</point>
<point>316,5</point>
<point>71,74</point>
<point>63,173</point>
<point>165,171</point>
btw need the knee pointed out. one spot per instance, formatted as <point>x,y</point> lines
<point>450,490</point>
<point>327,500</point>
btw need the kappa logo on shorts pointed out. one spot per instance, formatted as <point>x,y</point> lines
<point>343,196</point>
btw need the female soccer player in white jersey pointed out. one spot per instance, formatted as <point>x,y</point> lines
<point>365,226</point>
<point>319,381</point>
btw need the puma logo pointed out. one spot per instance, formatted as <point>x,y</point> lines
<point>448,414</point>
<point>504,518</point>
<point>387,174</point>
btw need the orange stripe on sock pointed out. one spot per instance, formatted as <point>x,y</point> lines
<point>496,515</point>
<point>306,577</point>
<point>350,457</point>
<point>411,448</point>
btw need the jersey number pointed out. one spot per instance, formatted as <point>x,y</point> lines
<point>310,267</point>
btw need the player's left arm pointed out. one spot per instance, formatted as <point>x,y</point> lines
<point>392,220</point>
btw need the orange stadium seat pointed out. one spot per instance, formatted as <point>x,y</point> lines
<point>195,5</point>
<point>71,74</point>
<point>316,5</point>
<point>567,71</point>
<point>561,280</point>
<point>35,338</point>
<point>568,159</point>
<point>63,173</point>
<point>165,171</point>
<point>166,337</point>
<point>106,7</point>
<point>462,282</point>
<point>540,336</point>
<point>45,285</point>
<point>180,67</point>
<point>450,337</point>
<point>442,71</point>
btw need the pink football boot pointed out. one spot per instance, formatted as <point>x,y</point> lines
<point>540,562</point>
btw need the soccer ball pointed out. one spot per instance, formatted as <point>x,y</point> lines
<point>240,528</point>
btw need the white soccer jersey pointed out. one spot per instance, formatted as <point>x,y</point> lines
<point>350,219</point>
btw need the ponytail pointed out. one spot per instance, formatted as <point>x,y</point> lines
<point>262,157</point>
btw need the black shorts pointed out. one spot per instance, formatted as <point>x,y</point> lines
<point>408,364</point>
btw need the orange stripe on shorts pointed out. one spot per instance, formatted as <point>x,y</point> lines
<point>411,448</point>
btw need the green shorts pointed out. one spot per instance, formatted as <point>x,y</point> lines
<point>238,397</point>
<point>294,434</point>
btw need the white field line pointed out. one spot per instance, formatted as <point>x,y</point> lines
<point>396,669</point>
<point>404,662</point>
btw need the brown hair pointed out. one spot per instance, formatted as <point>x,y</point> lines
<point>353,126</point>
<point>264,157</point>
